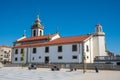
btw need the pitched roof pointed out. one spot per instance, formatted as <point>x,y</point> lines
<point>4,46</point>
<point>36,38</point>
<point>64,40</point>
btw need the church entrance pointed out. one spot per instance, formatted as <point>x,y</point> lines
<point>47,59</point>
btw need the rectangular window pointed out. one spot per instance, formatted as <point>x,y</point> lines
<point>33,58</point>
<point>16,51</point>
<point>74,47</point>
<point>39,57</point>
<point>34,50</point>
<point>21,51</point>
<point>87,57</point>
<point>87,48</point>
<point>16,59</point>
<point>74,57</point>
<point>59,48</point>
<point>46,49</point>
<point>60,57</point>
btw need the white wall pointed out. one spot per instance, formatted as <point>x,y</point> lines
<point>99,46</point>
<point>89,54</point>
<point>41,32</point>
<point>102,46</point>
<point>95,46</point>
<point>67,54</point>
<point>53,54</point>
<point>37,32</point>
<point>19,55</point>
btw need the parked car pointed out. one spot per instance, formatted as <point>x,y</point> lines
<point>32,66</point>
<point>55,68</point>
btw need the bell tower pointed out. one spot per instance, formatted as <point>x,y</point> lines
<point>37,29</point>
<point>99,41</point>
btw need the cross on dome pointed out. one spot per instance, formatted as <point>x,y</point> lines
<point>37,21</point>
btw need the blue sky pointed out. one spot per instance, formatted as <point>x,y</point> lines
<point>72,17</point>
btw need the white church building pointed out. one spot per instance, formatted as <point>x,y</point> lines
<point>53,48</point>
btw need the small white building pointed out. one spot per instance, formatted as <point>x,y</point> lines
<point>5,54</point>
<point>53,48</point>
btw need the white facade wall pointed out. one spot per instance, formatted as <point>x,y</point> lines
<point>99,46</point>
<point>95,46</point>
<point>39,56</point>
<point>37,32</point>
<point>41,32</point>
<point>102,46</point>
<point>91,50</point>
<point>67,54</point>
<point>88,50</point>
<point>19,55</point>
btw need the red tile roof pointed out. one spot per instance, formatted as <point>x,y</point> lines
<point>36,38</point>
<point>64,40</point>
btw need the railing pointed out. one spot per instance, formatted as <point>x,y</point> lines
<point>107,58</point>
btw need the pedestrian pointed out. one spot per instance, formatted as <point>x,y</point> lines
<point>96,69</point>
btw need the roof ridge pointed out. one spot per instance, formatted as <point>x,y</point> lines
<point>41,36</point>
<point>6,46</point>
<point>76,36</point>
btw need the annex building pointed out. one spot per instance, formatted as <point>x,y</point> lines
<point>53,48</point>
<point>5,54</point>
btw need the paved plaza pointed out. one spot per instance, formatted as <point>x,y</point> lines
<point>18,73</point>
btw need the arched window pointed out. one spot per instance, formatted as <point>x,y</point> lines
<point>97,29</point>
<point>100,29</point>
<point>34,33</point>
<point>40,33</point>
